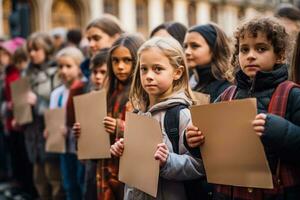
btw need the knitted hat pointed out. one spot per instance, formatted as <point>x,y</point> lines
<point>11,45</point>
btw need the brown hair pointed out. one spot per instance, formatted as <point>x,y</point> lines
<point>40,40</point>
<point>221,53</point>
<point>269,26</point>
<point>295,68</point>
<point>108,24</point>
<point>132,42</point>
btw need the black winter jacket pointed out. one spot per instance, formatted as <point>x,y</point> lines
<point>281,138</point>
<point>208,84</point>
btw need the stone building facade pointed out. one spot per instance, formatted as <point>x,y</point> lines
<point>135,15</point>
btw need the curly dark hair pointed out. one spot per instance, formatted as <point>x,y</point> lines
<point>274,32</point>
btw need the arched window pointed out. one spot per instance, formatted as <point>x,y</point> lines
<point>192,13</point>
<point>168,10</point>
<point>142,16</point>
<point>7,9</point>
<point>66,13</point>
<point>111,7</point>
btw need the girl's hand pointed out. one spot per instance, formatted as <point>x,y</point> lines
<point>45,134</point>
<point>31,98</point>
<point>259,123</point>
<point>194,137</point>
<point>77,130</point>
<point>161,154</point>
<point>117,148</point>
<point>110,124</point>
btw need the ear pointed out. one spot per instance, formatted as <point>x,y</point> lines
<point>178,73</point>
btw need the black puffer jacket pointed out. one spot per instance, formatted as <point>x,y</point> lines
<point>208,84</point>
<point>281,137</point>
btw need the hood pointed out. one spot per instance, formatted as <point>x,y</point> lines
<point>177,98</point>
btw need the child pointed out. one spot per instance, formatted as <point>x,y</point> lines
<point>173,29</point>
<point>101,33</point>
<point>68,60</point>
<point>98,73</point>
<point>261,45</point>
<point>99,69</point>
<point>41,74</point>
<point>207,52</point>
<point>160,82</point>
<point>120,64</point>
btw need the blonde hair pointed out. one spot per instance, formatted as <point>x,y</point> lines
<point>71,52</point>
<point>173,51</point>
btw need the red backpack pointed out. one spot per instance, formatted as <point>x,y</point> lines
<point>286,175</point>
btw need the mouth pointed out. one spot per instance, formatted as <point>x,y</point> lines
<point>150,86</point>
<point>252,66</point>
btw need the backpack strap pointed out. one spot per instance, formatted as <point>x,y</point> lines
<point>278,106</point>
<point>279,100</point>
<point>229,93</point>
<point>171,124</point>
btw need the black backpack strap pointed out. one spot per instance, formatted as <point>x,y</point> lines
<point>171,124</point>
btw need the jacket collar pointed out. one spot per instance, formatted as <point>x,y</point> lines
<point>263,80</point>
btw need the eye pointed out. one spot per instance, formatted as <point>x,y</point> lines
<point>185,46</point>
<point>157,69</point>
<point>195,45</point>
<point>96,37</point>
<point>143,69</point>
<point>114,60</point>
<point>261,49</point>
<point>68,66</point>
<point>127,60</point>
<point>244,50</point>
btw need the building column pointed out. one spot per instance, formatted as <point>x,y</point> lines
<point>181,11</point>
<point>203,12</point>
<point>228,18</point>
<point>155,13</point>
<point>44,9</point>
<point>97,9</point>
<point>128,14</point>
<point>250,12</point>
<point>1,18</point>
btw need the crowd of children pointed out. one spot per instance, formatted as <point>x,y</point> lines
<point>150,77</point>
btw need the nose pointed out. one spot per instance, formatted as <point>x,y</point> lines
<point>91,43</point>
<point>251,55</point>
<point>121,65</point>
<point>149,75</point>
<point>187,51</point>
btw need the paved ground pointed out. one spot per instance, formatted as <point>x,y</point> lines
<point>10,192</point>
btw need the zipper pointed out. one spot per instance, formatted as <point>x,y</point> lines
<point>251,91</point>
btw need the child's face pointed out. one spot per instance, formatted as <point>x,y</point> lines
<point>98,39</point>
<point>121,63</point>
<point>68,70</point>
<point>197,51</point>
<point>22,65</point>
<point>156,73</point>
<point>4,58</point>
<point>37,55</point>
<point>98,76</point>
<point>256,54</point>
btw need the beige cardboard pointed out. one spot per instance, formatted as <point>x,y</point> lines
<point>21,108</point>
<point>138,168</point>
<point>232,153</point>
<point>202,98</point>
<point>55,121</point>
<point>90,110</point>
